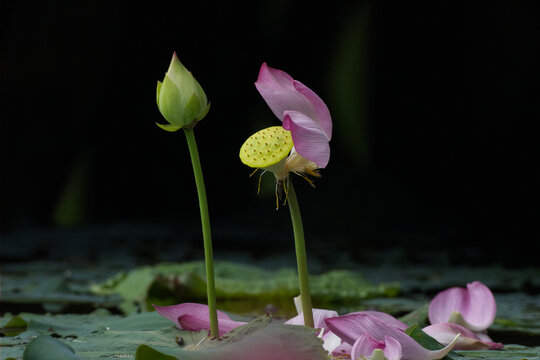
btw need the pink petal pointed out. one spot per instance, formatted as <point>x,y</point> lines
<point>476,304</point>
<point>444,303</point>
<point>319,315</point>
<point>392,350</point>
<point>445,332</point>
<point>309,139</point>
<point>277,89</point>
<point>363,347</point>
<point>384,317</point>
<point>481,307</point>
<point>324,120</point>
<point>343,349</point>
<point>331,342</point>
<point>350,327</point>
<point>195,317</point>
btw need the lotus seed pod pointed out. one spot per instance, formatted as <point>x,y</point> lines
<point>266,147</point>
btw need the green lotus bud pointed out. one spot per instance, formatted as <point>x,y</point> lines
<point>180,98</point>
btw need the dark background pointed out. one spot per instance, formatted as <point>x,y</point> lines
<point>433,153</point>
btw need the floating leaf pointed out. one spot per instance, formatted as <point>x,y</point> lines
<point>261,339</point>
<point>47,348</point>
<point>14,326</point>
<point>240,288</point>
<point>145,352</point>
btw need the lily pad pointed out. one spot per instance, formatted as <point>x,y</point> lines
<point>101,335</point>
<point>239,288</point>
<point>47,348</point>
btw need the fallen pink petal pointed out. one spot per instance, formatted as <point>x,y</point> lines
<point>473,307</point>
<point>195,317</point>
<point>350,327</point>
<point>366,345</point>
<point>384,317</point>
<point>444,333</point>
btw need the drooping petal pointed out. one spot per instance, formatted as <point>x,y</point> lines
<point>350,327</point>
<point>278,91</point>
<point>384,317</point>
<point>169,127</point>
<point>364,346</point>
<point>195,317</point>
<point>309,139</point>
<point>445,332</point>
<point>323,119</point>
<point>474,307</point>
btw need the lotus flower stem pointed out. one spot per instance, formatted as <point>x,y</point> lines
<point>301,257</point>
<point>207,236</point>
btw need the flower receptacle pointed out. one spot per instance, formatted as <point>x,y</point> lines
<point>267,148</point>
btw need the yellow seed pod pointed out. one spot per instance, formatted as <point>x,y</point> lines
<point>266,147</point>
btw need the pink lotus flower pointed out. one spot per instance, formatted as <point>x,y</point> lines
<point>192,316</point>
<point>445,332</point>
<point>346,348</point>
<point>351,327</point>
<point>473,308</point>
<point>368,348</point>
<point>331,342</point>
<point>301,111</point>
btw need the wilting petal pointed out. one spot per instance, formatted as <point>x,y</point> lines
<point>309,139</point>
<point>445,332</point>
<point>350,327</point>
<point>384,317</point>
<point>476,306</point>
<point>195,317</point>
<point>278,90</point>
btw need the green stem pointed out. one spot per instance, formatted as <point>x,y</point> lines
<point>301,257</point>
<point>207,236</point>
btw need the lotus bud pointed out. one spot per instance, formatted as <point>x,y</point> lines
<point>180,98</point>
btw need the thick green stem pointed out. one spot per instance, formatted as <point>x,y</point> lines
<point>207,236</point>
<point>301,257</point>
